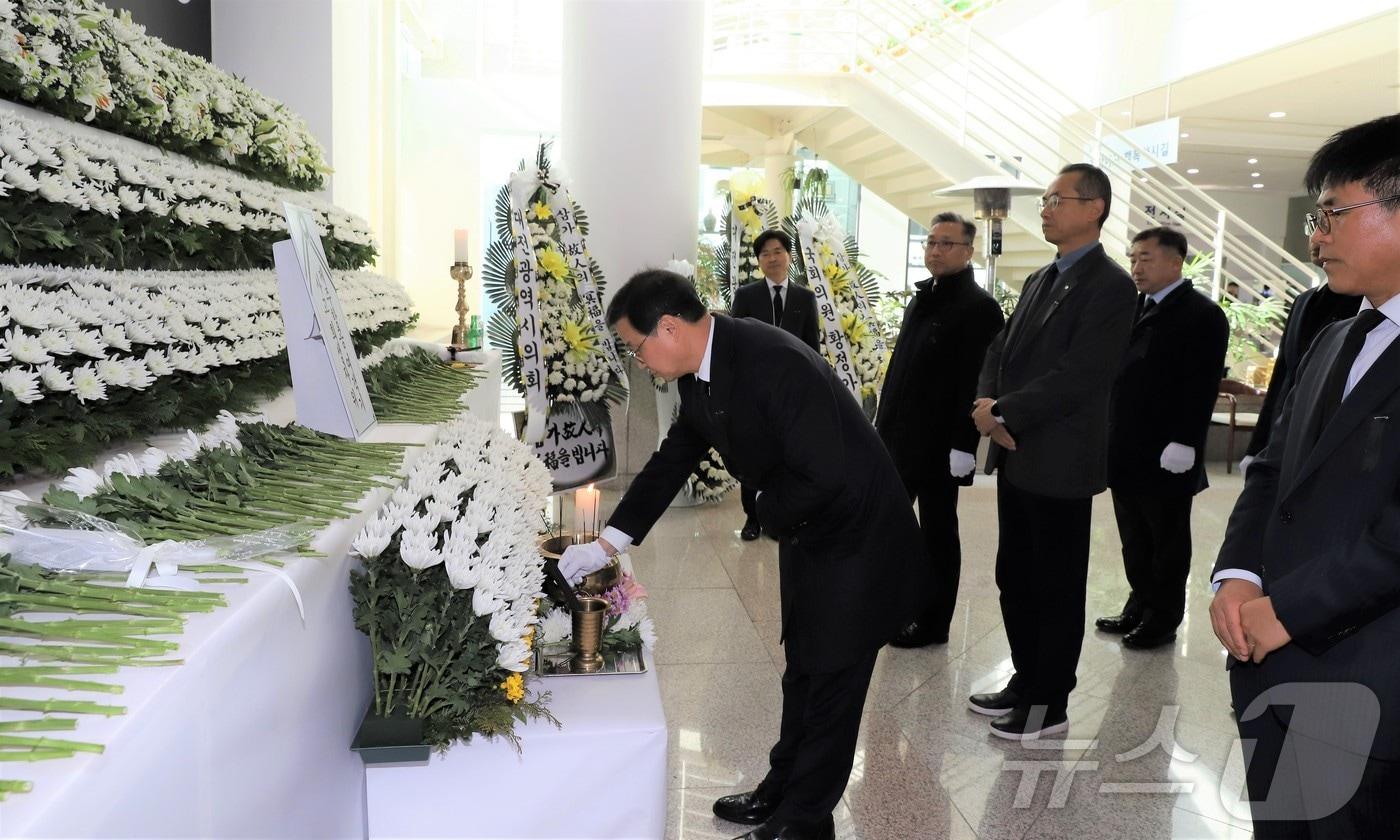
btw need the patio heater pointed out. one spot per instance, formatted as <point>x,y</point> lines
<point>991,201</point>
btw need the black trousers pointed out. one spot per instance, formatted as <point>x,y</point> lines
<point>1155,529</point>
<point>748,495</point>
<point>811,762</point>
<point>1042,572</point>
<point>1285,775</point>
<point>938,519</point>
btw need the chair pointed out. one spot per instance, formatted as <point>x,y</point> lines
<point>1232,418</point>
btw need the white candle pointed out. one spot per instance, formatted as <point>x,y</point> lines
<point>463,250</point>
<point>586,513</point>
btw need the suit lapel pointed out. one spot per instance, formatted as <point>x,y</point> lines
<point>1064,284</point>
<point>1380,381</point>
<point>1019,326</point>
<point>721,380</point>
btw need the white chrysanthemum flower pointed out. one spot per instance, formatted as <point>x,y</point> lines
<point>24,347</point>
<point>647,630</point>
<point>419,550</point>
<point>372,540</point>
<point>82,481</point>
<point>556,626</point>
<point>123,464</point>
<point>514,656</point>
<point>89,343</point>
<point>55,379</point>
<point>21,382</point>
<point>113,372</point>
<point>88,386</point>
<point>153,459</point>
<point>56,342</point>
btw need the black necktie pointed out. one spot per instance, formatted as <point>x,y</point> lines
<point>1366,320</point>
<point>1147,306</point>
<point>777,306</point>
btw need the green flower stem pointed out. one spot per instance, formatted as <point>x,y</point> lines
<point>41,681</point>
<point>60,669</point>
<point>71,707</point>
<point>12,786</point>
<point>35,602</point>
<point>47,724</point>
<point>34,755</point>
<point>41,743</point>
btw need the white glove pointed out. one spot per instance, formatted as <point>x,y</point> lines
<point>1245,462</point>
<point>579,560</point>
<point>961,464</point>
<point>1178,458</point>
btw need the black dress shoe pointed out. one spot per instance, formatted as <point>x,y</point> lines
<point>995,704</point>
<point>751,529</point>
<point>749,808</point>
<point>1124,622</point>
<point>1146,637</point>
<point>825,830</point>
<point>1028,723</point>
<point>920,634</point>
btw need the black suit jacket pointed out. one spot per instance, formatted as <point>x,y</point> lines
<point>1319,522</point>
<point>755,300</point>
<point>1166,391</point>
<point>1312,310</point>
<point>926,404</point>
<point>852,555</point>
<point>1051,370</point>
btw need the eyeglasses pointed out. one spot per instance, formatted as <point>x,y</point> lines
<point>1051,201</point>
<point>941,244</point>
<point>636,354</point>
<point>1322,219</point>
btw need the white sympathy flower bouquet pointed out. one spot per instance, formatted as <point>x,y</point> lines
<point>452,582</point>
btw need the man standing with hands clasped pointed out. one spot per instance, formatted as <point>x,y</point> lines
<point>1157,434</point>
<point>923,417</point>
<point>1044,403</point>
<point>783,304</point>
<point>849,551</point>
<point>1309,573</point>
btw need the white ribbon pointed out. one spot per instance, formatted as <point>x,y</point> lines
<point>576,253</point>
<point>831,230</point>
<point>527,307</point>
<point>736,241</point>
<point>835,339</point>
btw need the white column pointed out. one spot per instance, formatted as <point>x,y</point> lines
<point>630,146</point>
<point>630,127</point>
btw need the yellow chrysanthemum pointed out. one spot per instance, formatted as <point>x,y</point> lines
<point>514,687</point>
<point>542,211</point>
<point>580,340</point>
<point>529,638</point>
<point>824,251</point>
<point>840,280</point>
<point>553,263</point>
<point>855,329</point>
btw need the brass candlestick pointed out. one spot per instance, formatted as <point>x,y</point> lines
<point>461,272</point>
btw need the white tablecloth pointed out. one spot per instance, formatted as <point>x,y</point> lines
<point>603,775</point>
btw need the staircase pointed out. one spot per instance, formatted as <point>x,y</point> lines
<point>907,97</point>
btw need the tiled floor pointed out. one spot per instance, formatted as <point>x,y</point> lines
<point>925,766</point>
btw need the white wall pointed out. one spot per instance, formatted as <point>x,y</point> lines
<point>1101,51</point>
<point>282,49</point>
<point>883,238</point>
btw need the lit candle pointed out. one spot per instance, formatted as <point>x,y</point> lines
<point>586,513</point>
<point>463,250</point>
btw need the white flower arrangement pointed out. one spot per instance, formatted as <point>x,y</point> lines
<point>89,331</point>
<point>469,502</point>
<point>68,167</point>
<point>223,433</point>
<point>865,343</point>
<point>79,59</point>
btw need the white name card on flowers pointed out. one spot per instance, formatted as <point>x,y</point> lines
<point>575,451</point>
<point>327,384</point>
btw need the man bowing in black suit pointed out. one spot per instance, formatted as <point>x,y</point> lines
<point>1161,409</point>
<point>849,555</point>
<point>1044,403</point>
<point>1308,603</point>
<point>924,420</point>
<point>780,303</point>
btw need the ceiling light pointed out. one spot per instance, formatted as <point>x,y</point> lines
<point>1252,160</point>
<point>1277,115</point>
<point>1192,171</point>
<point>1184,135</point>
<point>1259,186</point>
<point>1254,174</point>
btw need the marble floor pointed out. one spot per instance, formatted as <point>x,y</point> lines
<point>1151,751</point>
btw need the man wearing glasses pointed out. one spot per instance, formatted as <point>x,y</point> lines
<point>784,305</point>
<point>1308,575</point>
<point>924,408</point>
<point>1044,403</point>
<point>849,551</point>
